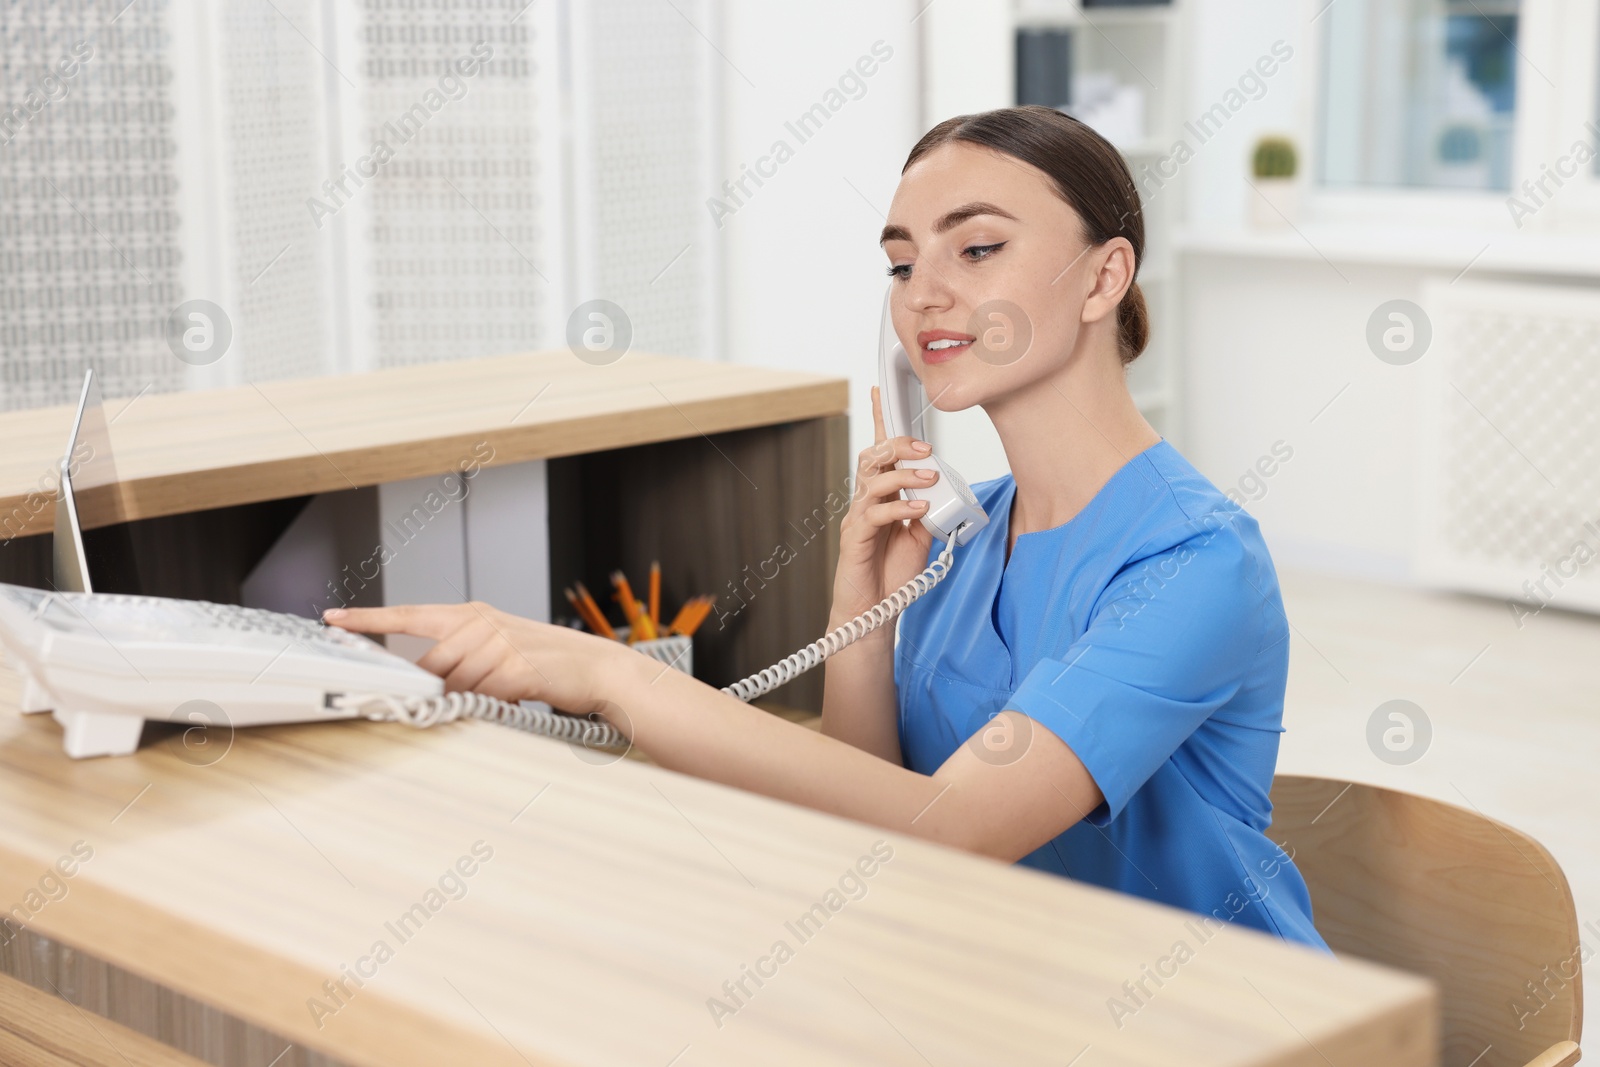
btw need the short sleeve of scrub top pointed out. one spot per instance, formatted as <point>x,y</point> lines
<point>1148,634</point>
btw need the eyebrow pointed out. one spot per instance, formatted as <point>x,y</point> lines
<point>949,220</point>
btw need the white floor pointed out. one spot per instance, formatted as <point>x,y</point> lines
<point>1515,712</point>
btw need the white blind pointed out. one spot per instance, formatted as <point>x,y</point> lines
<point>353,186</point>
<point>89,203</point>
<point>454,252</point>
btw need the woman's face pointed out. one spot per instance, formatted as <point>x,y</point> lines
<point>992,279</point>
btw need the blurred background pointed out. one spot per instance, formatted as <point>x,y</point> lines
<point>1372,262</point>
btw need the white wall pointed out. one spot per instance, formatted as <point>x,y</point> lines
<point>969,65</point>
<point>1268,345</point>
<point>1227,37</point>
<point>803,275</point>
<point>1265,343</point>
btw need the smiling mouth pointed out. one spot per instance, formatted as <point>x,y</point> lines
<point>942,345</point>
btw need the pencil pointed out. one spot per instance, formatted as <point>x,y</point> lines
<point>698,617</point>
<point>623,595</point>
<point>602,625</point>
<point>682,616</point>
<point>583,612</point>
<point>655,595</point>
<point>637,619</point>
<point>593,613</point>
<point>604,629</point>
<point>689,616</point>
<point>597,622</point>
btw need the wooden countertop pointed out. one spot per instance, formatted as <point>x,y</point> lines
<point>618,899</point>
<point>190,451</point>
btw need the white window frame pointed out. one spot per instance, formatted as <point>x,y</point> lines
<point>1566,35</point>
<point>1560,38</point>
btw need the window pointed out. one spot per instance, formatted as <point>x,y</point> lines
<point>1419,93</point>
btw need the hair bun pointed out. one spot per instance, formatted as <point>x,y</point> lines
<point>1133,323</point>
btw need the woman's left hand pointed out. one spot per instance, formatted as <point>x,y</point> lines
<point>485,650</point>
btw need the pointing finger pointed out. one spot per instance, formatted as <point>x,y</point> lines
<point>422,620</point>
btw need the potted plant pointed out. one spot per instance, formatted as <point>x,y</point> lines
<point>1275,195</point>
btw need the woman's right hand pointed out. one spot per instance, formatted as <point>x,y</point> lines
<point>878,550</point>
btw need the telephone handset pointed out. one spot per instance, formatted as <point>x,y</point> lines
<point>76,651</point>
<point>953,512</point>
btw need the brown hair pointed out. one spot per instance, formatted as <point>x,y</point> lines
<point>1089,174</point>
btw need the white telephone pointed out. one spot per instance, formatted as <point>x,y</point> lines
<point>953,512</point>
<point>103,663</point>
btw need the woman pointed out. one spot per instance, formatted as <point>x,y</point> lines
<point>1102,699</point>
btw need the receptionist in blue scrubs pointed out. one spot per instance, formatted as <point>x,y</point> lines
<point>1096,687</point>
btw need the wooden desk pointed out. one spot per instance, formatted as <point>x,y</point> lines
<point>618,899</point>
<point>194,451</point>
<point>707,467</point>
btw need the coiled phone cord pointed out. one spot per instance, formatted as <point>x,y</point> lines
<point>531,718</point>
<point>792,667</point>
<point>590,733</point>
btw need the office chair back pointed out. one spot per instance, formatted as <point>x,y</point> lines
<point>1449,893</point>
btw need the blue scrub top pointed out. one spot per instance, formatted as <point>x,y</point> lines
<point>1148,634</point>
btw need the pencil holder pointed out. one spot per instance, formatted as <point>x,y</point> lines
<point>675,650</point>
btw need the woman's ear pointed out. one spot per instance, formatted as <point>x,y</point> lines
<point>1113,267</point>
